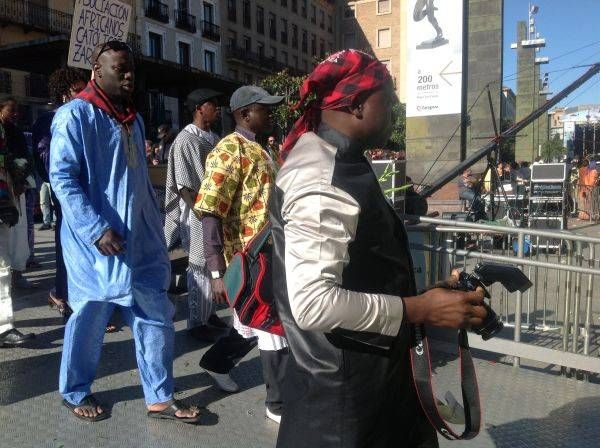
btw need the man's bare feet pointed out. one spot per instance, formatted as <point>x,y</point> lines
<point>182,412</point>
<point>88,411</point>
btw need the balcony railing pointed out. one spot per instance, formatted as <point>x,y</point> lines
<point>34,16</point>
<point>211,31</point>
<point>157,11</point>
<point>249,57</point>
<point>185,21</point>
<point>36,86</point>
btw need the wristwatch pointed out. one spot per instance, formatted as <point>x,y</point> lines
<point>217,274</point>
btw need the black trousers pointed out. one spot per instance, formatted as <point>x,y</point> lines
<point>227,351</point>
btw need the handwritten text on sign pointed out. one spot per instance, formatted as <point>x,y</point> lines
<point>95,22</point>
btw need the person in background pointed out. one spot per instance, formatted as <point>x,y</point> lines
<point>343,278</point>
<point>166,136</point>
<point>114,247</point>
<point>232,205</point>
<point>185,172</point>
<point>272,147</point>
<point>63,85</point>
<point>16,146</point>
<point>151,159</point>
<point>9,335</point>
<point>525,171</point>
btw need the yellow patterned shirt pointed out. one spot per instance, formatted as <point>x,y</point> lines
<point>236,188</point>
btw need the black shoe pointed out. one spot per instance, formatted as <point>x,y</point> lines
<point>14,337</point>
<point>215,321</point>
<point>45,227</point>
<point>206,333</point>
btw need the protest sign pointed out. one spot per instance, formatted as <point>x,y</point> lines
<point>95,22</point>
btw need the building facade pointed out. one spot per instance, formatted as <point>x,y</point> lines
<point>265,36</point>
<point>508,105</point>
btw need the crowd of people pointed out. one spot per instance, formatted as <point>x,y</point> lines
<point>343,285</point>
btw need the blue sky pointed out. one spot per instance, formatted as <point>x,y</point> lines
<point>567,25</point>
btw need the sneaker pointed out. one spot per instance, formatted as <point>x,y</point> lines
<point>224,381</point>
<point>23,283</point>
<point>217,322</point>
<point>14,337</point>
<point>206,333</point>
<point>273,416</point>
<point>45,227</point>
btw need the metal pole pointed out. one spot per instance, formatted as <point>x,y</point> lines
<point>588,304</point>
<point>465,82</point>
<point>578,262</point>
<point>518,304</point>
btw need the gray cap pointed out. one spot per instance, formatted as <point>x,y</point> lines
<point>246,95</point>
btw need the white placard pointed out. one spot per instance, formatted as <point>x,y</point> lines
<point>95,22</point>
<point>434,57</point>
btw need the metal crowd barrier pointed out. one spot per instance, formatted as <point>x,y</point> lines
<point>557,320</point>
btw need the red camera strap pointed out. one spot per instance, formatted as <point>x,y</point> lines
<point>422,376</point>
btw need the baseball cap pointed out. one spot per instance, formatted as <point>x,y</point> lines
<point>246,95</point>
<point>200,96</point>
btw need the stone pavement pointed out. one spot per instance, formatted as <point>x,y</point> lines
<point>530,407</point>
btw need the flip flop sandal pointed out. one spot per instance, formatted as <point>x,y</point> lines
<point>88,402</point>
<point>169,413</point>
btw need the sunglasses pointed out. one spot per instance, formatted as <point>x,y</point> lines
<point>115,45</point>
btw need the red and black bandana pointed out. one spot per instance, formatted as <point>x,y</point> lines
<point>95,95</point>
<point>336,81</point>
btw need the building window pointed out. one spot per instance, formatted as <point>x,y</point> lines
<point>232,10</point>
<point>384,38</point>
<point>313,13</point>
<point>322,49</point>
<point>209,12</point>
<point>272,26</point>
<point>284,31</point>
<point>329,23</point>
<point>5,82</point>
<point>313,45</point>
<point>155,45</point>
<point>248,78</point>
<point>247,44</point>
<point>232,39</point>
<point>303,9</point>
<point>294,35</point>
<point>184,54</point>
<point>322,19</point>
<point>349,40</point>
<point>233,74</point>
<point>209,61</point>
<point>284,57</point>
<point>304,41</point>
<point>284,3</point>
<point>349,12</point>
<point>273,53</point>
<point>295,59</point>
<point>260,49</point>
<point>260,19</point>
<point>384,6</point>
<point>305,64</point>
<point>295,6</point>
<point>246,14</point>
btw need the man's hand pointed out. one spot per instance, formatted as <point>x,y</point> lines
<point>217,285</point>
<point>110,243</point>
<point>440,307</point>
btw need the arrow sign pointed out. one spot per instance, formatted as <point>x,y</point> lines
<point>444,73</point>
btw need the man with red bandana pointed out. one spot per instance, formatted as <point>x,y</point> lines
<point>343,276</point>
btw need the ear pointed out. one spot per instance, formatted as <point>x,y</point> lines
<point>97,71</point>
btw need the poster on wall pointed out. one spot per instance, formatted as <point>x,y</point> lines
<point>434,57</point>
<point>95,22</point>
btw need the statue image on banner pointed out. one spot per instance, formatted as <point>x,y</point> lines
<point>425,8</point>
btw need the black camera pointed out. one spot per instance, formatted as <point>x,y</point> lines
<point>485,274</point>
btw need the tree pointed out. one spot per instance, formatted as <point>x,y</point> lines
<point>553,148</point>
<point>286,85</point>
<point>399,127</point>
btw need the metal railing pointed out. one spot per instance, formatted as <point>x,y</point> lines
<point>157,11</point>
<point>556,320</point>
<point>211,31</point>
<point>185,21</point>
<point>35,16</point>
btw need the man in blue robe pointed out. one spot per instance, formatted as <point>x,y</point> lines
<point>112,239</point>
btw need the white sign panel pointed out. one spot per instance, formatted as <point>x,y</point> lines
<point>434,57</point>
<point>95,22</point>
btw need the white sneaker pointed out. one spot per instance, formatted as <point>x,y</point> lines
<point>275,417</point>
<point>224,381</point>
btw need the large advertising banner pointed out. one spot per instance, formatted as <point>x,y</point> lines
<point>434,57</point>
<point>95,22</point>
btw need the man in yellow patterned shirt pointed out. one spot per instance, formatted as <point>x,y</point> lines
<point>233,207</point>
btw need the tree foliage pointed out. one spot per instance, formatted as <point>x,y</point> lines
<point>553,149</point>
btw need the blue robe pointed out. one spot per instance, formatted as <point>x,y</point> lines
<point>99,187</point>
